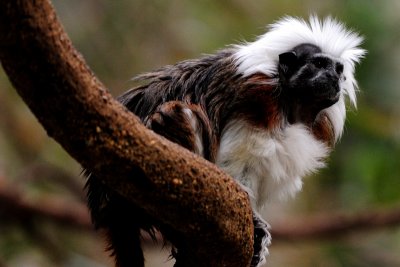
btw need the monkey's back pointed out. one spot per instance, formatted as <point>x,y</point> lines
<point>208,82</point>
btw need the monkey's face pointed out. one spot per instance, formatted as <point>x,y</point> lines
<point>309,80</point>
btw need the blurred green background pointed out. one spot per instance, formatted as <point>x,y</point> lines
<point>122,38</point>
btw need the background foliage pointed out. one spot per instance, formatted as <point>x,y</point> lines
<point>122,38</point>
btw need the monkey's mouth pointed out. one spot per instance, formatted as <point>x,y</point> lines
<point>328,94</point>
<point>328,99</point>
<point>325,94</point>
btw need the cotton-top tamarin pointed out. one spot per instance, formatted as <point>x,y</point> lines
<point>267,112</point>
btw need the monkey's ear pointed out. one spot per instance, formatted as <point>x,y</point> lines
<point>287,62</point>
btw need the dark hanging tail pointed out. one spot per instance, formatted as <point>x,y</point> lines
<point>120,221</point>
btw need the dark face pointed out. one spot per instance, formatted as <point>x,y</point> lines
<point>309,81</point>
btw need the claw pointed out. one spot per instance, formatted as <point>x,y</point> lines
<point>262,239</point>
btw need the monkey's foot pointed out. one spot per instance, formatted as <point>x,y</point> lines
<point>262,239</point>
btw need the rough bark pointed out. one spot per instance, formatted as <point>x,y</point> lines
<point>184,191</point>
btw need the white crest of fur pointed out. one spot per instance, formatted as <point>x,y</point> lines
<point>331,36</point>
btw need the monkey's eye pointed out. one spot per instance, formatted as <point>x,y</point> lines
<point>339,68</point>
<point>320,62</point>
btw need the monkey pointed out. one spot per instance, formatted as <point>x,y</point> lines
<point>267,112</point>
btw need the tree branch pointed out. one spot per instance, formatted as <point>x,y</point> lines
<point>323,226</point>
<point>180,189</point>
<point>335,225</point>
<point>18,205</point>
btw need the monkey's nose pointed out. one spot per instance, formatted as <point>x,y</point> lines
<point>332,76</point>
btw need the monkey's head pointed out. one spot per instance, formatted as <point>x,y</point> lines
<point>311,64</point>
<point>309,80</point>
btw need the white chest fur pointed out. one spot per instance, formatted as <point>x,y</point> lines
<point>269,164</point>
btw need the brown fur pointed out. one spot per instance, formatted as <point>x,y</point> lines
<point>323,130</point>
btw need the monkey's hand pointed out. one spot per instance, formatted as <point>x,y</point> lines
<point>262,239</point>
